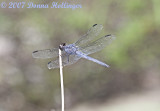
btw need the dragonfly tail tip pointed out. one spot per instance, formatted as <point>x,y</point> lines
<point>107,66</point>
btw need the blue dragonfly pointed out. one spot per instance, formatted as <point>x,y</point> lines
<point>71,53</point>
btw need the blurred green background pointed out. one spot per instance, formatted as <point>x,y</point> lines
<point>132,83</point>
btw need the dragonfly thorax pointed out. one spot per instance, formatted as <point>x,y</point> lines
<point>70,49</point>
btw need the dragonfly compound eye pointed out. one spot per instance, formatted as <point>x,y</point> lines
<point>61,46</point>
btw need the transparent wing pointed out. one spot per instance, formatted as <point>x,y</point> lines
<point>91,34</point>
<point>97,45</point>
<point>55,63</point>
<point>44,54</point>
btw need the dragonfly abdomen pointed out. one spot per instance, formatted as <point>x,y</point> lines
<point>92,59</point>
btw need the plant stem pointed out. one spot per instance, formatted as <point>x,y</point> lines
<point>61,78</point>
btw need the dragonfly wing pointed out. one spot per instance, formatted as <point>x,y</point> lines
<point>91,34</point>
<point>65,61</point>
<point>44,54</point>
<point>97,45</point>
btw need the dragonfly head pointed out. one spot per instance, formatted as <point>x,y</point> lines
<point>61,46</point>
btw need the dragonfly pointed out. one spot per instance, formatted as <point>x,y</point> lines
<point>71,53</point>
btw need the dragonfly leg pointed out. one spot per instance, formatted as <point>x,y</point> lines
<point>68,58</point>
